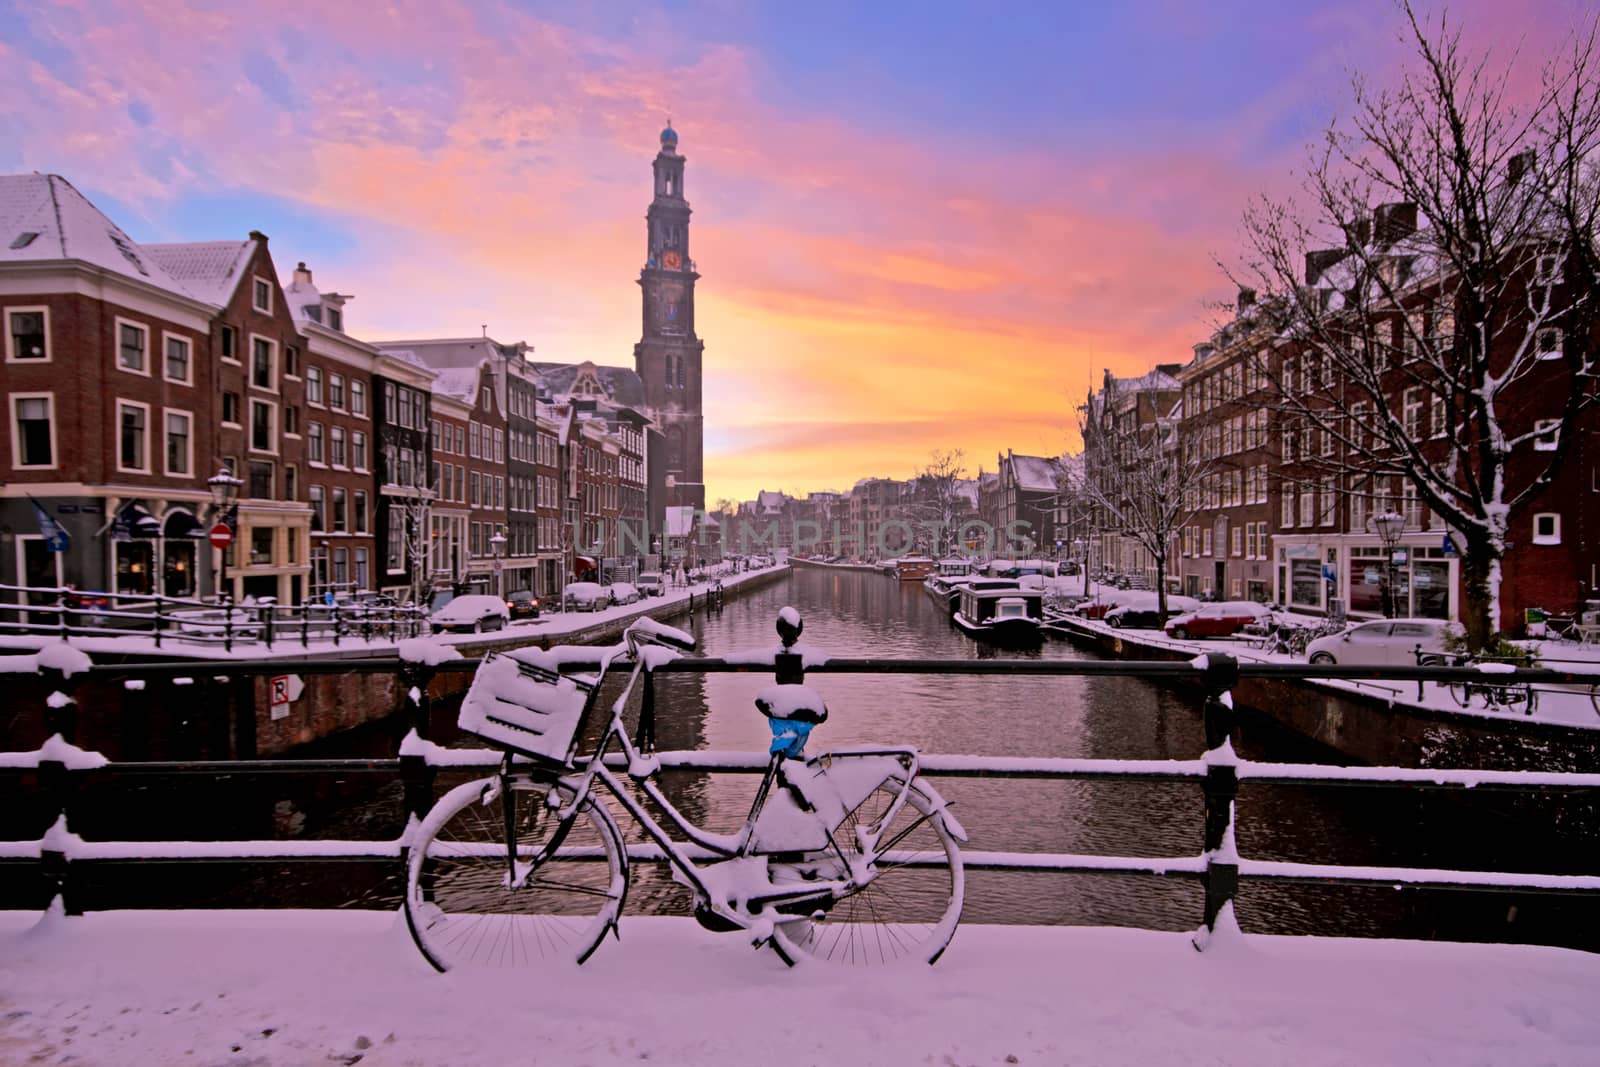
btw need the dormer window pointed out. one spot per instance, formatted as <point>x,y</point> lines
<point>335,319</point>
<point>314,312</point>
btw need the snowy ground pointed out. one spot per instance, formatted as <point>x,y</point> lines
<point>282,988</point>
<point>548,625</point>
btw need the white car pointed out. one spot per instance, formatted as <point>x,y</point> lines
<point>624,593</point>
<point>587,596</point>
<point>473,613</point>
<point>650,584</point>
<point>1382,643</point>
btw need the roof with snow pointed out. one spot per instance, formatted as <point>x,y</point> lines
<point>1035,474</point>
<point>459,382</point>
<point>622,384</point>
<point>769,502</point>
<point>208,269</point>
<point>43,218</point>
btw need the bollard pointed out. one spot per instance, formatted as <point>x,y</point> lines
<point>1221,787</point>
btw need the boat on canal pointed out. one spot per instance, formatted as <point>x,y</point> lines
<point>999,610</point>
<point>913,568</point>
<point>945,584</point>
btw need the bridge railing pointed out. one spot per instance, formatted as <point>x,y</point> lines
<point>59,768</point>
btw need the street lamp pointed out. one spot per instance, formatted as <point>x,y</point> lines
<point>224,494</point>
<point>1388,525</point>
<point>497,544</point>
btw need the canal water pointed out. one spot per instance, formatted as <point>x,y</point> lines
<point>856,614</point>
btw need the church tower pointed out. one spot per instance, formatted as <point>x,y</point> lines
<point>667,357</point>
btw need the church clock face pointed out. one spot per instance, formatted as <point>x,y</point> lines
<point>672,261</point>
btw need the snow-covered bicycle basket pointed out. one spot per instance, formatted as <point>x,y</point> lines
<point>520,700</point>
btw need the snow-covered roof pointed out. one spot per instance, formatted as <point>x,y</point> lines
<point>1035,474</point>
<point>769,502</point>
<point>459,382</point>
<point>622,384</point>
<point>209,270</point>
<point>43,218</point>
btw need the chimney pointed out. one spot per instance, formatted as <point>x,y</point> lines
<point>1247,299</point>
<point>1319,261</point>
<point>1395,222</point>
<point>1518,165</point>
<point>302,274</point>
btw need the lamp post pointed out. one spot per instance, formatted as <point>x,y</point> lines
<point>224,495</point>
<point>1080,548</point>
<point>497,544</point>
<point>1388,525</point>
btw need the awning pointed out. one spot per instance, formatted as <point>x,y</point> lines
<point>580,564</point>
<point>182,523</point>
<point>134,520</point>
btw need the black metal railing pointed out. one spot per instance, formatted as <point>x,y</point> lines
<point>60,768</point>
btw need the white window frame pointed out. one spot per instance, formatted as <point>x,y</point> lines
<point>225,328</point>
<point>250,426</point>
<point>11,355</point>
<point>167,337</point>
<point>117,324</point>
<point>1547,428</point>
<point>272,364</point>
<point>120,404</point>
<point>1555,351</point>
<point>16,437</point>
<point>257,282</point>
<point>355,384</point>
<point>314,375</point>
<point>1552,538</point>
<point>343,402</point>
<point>189,459</point>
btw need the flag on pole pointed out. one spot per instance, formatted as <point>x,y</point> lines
<point>55,535</point>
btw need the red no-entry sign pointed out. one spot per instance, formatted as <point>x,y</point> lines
<point>221,536</point>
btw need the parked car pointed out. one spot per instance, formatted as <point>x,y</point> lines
<point>624,593</point>
<point>522,604</point>
<point>1223,619</point>
<point>472,613</point>
<point>651,584</point>
<point>587,596</point>
<point>1143,613</point>
<point>1383,643</point>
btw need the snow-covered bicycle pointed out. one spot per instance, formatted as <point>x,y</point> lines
<point>847,857</point>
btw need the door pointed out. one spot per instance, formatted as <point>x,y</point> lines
<point>39,569</point>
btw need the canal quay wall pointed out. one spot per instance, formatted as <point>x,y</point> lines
<point>215,715</point>
<point>1375,728</point>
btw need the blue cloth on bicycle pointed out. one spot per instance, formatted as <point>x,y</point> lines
<point>789,737</point>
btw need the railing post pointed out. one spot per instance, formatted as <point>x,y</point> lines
<point>1221,788</point>
<point>335,624</point>
<point>644,738</point>
<point>59,666</point>
<point>272,614</point>
<point>789,666</point>
<point>227,626</point>
<point>415,774</point>
<point>160,622</point>
<point>305,623</point>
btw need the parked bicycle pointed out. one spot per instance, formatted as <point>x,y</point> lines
<point>1497,693</point>
<point>847,857</point>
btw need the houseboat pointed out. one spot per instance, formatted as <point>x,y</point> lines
<point>913,568</point>
<point>944,585</point>
<point>1005,614</point>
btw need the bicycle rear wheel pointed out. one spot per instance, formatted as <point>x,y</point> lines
<point>464,906</point>
<point>1462,692</point>
<point>908,911</point>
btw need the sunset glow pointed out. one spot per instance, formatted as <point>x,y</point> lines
<point>912,233</point>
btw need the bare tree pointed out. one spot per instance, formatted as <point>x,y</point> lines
<point>1444,341</point>
<point>937,503</point>
<point>1138,480</point>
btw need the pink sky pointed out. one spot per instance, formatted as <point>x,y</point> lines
<point>895,265</point>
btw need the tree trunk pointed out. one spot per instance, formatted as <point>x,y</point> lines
<point>1477,594</point>
<point>1161,590</point>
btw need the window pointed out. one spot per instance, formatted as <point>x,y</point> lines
<point>358,398</point>
<point>341,521</point>
<point>1236,541</point>
<point>178,361</point>
<point>180,442</point>
<point>1547,269</point>
<point>291,361</point>
<point>1547,343</point>
<point>1436,414</point>
<point>1308,506</point>
<point>1547,528</point>
<point>133,342</point>
<point>261,295</point>
<point>336,391</point>
<point>133,436</point>
<point>1549,431</point>
<point>27,335</point>
<point>230,409</point>
<point>358,450</point>
<point>1412,412</point>
<point>314,386</point>
<point>314,442</point>
<point>230,344</point>
<point>435,430</point>
<point>319,513</point>
<point>33,430</point>
<point>472,438</point>
<point>476,482</point>
<point>1286,519</point>
<point>359,511</point>
<point>1205,541</point>
<point>261,545</point>
<point>291,486</point>
<point>261,360</point>
<point>258,480</point>
<point>336,454</point>
<point>263,431</point>
<point>361,569</point>
<point>335,319</point>
<point>291,422</point>
<point>1330,509</point>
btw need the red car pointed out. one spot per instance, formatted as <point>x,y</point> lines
<point>1216,620</point>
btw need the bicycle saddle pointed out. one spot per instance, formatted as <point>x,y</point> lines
<point>792,703</point>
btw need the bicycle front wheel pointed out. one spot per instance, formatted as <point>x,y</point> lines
<point>549,896</point>
<point>910,908</point>
<point>1462,692</point>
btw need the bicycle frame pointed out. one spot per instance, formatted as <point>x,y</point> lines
<point>713,848</point>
